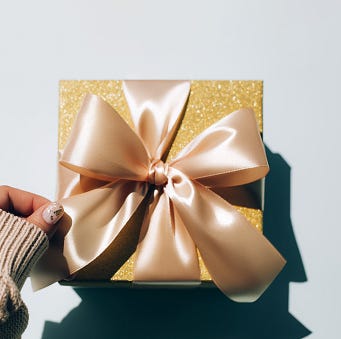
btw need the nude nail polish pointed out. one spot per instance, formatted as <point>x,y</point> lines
<point>53,212</point>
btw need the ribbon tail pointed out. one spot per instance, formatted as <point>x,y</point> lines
<point>165,252</point>
<point>93,220</point>
<point>240,260</point>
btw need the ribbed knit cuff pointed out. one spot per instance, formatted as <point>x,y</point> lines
<point>21,245</point>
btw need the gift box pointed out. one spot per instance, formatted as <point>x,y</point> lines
<point>199,105</point>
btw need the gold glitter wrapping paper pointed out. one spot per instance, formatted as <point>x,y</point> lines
<point>209,101</point>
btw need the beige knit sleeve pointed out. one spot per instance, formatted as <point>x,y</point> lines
<point>21,245</point>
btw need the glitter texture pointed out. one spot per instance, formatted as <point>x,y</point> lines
<point>209,101</point>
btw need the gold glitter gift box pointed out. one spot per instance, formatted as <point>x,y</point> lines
<point>209,101</point>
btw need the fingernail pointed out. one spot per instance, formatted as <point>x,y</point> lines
<point>53,212</point>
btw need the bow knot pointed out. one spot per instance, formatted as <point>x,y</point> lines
<point>157,173</point>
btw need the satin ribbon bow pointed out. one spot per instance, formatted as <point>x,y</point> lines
<point>184,214</point>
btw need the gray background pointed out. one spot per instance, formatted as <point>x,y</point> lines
<point>294,46</point>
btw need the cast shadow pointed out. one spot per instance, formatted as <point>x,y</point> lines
<point>199,312</point>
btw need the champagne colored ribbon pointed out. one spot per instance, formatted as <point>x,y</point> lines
<point>117,167</point>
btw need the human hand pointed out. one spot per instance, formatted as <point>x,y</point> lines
<point>34,208</point>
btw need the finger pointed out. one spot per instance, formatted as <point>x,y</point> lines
<point>20,202</point>
<point>37,209</point>
<point>47,216</point>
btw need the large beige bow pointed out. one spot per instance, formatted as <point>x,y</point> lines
<point>118,166</point>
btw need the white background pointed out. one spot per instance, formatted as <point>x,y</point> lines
<point>294,46</point>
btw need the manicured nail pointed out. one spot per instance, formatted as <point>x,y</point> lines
<point>53,212</point>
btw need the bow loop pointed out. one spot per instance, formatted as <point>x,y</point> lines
<point>97,129</point>
<point>229,153</point>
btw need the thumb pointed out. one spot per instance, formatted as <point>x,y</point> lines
<point>46,216</point>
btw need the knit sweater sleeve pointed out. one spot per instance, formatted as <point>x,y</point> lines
<point>21,245</point>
